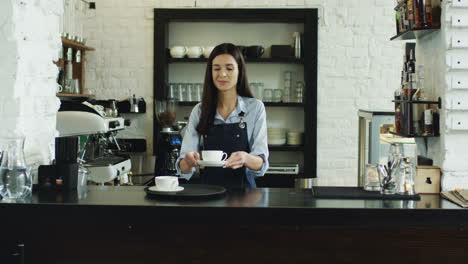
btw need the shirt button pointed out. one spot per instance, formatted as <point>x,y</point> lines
<point>238,135</point>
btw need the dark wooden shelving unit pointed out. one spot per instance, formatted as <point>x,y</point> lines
<point>278,104</point>
<point>307,17</point>
<point>247,60</point>
<point>286,147</point>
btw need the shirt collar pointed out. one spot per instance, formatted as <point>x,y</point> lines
<point>239,108</point>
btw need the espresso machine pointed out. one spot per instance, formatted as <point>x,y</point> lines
<point>169,139</point>
<point>97,129</point>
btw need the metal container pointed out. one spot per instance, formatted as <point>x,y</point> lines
<point>303,183</point>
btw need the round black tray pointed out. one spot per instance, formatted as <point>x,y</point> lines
<point>191,191</point>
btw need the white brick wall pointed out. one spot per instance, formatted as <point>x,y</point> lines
<point>29,42</point>
<point>358,66</point>
<point>452,147</point>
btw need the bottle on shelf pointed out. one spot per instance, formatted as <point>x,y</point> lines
<point>397,110</point>
<point>418,109</point>
<point>435,120</point>
<point>427,12</point>
<point>428,121</point>
<point>410,11</point>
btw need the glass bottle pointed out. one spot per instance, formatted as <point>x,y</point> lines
<point>428,125</point>
<point>15,176</point>
<point>409,177</point>
<point>397,110</point>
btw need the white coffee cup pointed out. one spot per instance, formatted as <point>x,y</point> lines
<point>194,52</point>
<point>166,183</point>
<point>214,155</point>
<point>178,51</point>
<point>207,51</point>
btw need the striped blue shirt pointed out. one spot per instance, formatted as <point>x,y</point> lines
<point>255,118</point>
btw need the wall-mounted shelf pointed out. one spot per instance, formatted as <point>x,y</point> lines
<point>414,34</point>
<point>76,45</point>
<point>247,60</point>
<point>413,136</point>
<point>438,102</point>
<point>74,95</point>
<point>78,67</point>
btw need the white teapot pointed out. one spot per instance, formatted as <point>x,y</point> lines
<point>194,52</point>
<point>178,51</point>
<point>207,51</point>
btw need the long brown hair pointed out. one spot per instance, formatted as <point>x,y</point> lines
<point>210,92</point>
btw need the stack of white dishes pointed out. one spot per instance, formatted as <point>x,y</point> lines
<point>276,136</point>
<point>294,138</point>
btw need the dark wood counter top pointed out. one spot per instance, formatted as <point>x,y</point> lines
<point>288,206</point>
<point>124,225</point>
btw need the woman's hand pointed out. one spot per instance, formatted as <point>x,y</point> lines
<point>241,158</point>
<point>237,160</point>
<point>189,161</point>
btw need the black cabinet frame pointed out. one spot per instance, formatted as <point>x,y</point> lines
<point>307,16</point>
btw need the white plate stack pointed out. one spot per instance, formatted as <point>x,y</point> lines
<point>294,138</point>
<point>276,136</point>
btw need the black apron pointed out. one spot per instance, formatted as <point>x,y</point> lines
<point>228,138</point>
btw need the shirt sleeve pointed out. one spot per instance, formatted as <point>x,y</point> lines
<point>190,142</point>
<point>258,142</point>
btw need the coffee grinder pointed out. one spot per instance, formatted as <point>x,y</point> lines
<point>169,139</point>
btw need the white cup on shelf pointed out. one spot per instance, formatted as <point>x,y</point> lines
<point>194,52</point>
<point>178,51</point>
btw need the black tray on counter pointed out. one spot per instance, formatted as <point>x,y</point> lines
<point>190,191</point>
<point>358,193</point>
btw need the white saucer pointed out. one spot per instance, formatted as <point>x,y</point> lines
<point>206,163</point>
<point>156,189</point>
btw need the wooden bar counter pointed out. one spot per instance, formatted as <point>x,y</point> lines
<point>266,225</point>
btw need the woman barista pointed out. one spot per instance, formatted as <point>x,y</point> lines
<point>227,119</point>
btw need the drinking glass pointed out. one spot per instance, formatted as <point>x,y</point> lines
<point>253,88</point>
<point>371,178</point>
<point>277,94</point>
<point>198,88</point>
<point>260,90</point>
<point>267,95</point>
<point>299,91</point>
<point>172,91</point>
<point>181,90</point>
<point>188,92</point>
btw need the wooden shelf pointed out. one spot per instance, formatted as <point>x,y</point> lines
<point>74,95</point>
<point>73,44</point>
<point>247,60</point>
<point>414,34</point>
<point>408,136</point>
<point>279,104</point>
<point>286,147</point>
